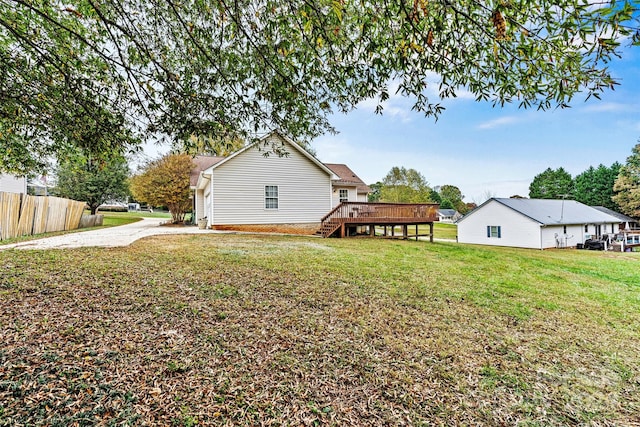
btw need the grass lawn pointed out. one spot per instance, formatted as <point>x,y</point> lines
<point>440,230</point>
<point>112,219</point>
<point>269,330</point>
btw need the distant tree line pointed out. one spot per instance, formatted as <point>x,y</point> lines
<point>616,187</point>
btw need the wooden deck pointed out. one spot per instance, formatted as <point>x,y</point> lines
<point>349,217</point>
<point>625,241</point>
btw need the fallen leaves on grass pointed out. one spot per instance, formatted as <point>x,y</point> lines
<point>242,330</point>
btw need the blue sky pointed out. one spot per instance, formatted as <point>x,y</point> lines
<point>485,150</point>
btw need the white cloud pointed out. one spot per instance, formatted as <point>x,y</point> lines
<point>396,106</point>
<point>465,94</point>
<point>499,122</point>
<point>368,104</point>
<point>610,107</point>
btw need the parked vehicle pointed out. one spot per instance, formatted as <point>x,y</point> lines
<point>594,244</point>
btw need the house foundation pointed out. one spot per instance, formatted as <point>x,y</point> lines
<point>302,228</point>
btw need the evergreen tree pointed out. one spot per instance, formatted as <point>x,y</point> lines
<point>454,196</point>
<point>435,196</point>
<point>594,187</point>
<point>551,184</point>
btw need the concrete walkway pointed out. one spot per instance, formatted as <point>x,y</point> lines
<point>122,235</point>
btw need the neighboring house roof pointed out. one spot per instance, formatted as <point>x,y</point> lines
<point>202,163</point>
<point>447,212</point>
<point>621,217</point>
<point>348,177</point>
<point>552,212</point>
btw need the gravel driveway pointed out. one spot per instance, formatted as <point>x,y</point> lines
<point>122,235</point>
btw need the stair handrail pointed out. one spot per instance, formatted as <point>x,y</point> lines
<point>324,218</point>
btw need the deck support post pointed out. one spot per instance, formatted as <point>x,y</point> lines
<point>416,232</point>
<point>372,230</point>
<point>342,233</point>
<point>405,232</point>
<point>431,232</point>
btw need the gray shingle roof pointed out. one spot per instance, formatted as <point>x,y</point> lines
<point>447,212</point>
<point>557,212</point>
<point>621,217</point>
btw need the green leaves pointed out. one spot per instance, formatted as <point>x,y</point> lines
<point>627,185</point>
<point>594,187</point>
<point>402,185</point>
<point>201,67</point>
<point>552,184</point>
<point>93,180</point>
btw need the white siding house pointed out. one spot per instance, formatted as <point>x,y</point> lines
<point>13,184</point>
<point>534,223</point>
<point>448,215</point>
<point>251,189</point>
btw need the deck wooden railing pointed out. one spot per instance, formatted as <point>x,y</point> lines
<point>365,213</point>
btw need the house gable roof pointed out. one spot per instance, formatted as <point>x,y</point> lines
<point>552,212</point>
<point>265,141</point>
<point>348,177</point>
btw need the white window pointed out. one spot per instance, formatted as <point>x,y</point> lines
<point>494,231</point>
<point>344,195</point>
<point>271,197</point>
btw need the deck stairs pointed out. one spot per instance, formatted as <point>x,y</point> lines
<point>329,227</point>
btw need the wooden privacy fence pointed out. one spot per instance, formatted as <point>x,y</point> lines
<point>22,215</point>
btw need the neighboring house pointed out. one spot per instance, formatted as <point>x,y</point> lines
<point>448,215</point>
<point>626,222</point>
<point>534,223</point>
<point>13,184</point>
<point>250,190</point>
